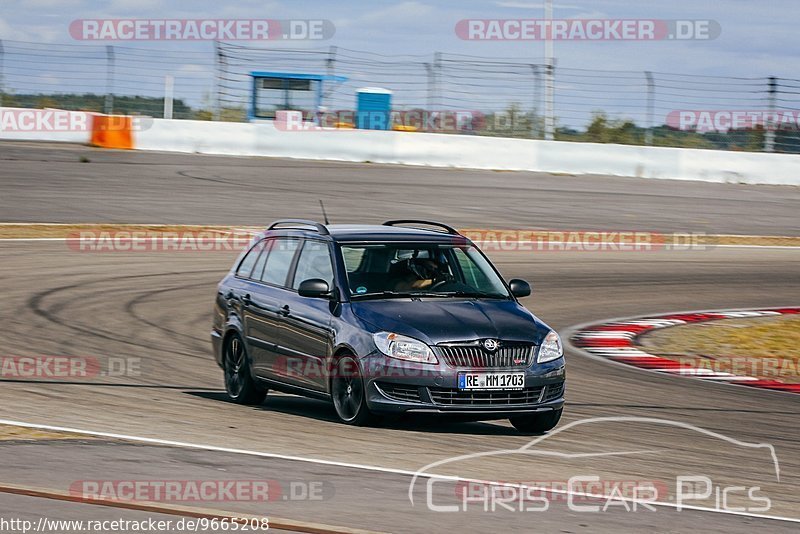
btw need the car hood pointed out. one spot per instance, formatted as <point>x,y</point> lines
<point>443,320</point>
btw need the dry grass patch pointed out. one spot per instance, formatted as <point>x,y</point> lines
<point>19,433</point>
<point>766,347</point>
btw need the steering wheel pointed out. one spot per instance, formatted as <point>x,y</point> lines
<point>440,283</point>
<point>437,285</point>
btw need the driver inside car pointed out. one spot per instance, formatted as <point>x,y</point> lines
<point>420,274</point>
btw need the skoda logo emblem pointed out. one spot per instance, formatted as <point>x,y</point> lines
<point>491,345</point>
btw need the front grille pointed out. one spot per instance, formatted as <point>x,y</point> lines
<point>554,391</point>
<point>400,392</point>
<point>475,356</point>
<point>458,397</point>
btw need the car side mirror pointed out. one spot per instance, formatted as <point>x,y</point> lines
<point>314,288</point>
<point>519,288</point>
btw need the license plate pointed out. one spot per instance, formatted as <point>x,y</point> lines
<point>491,380</point>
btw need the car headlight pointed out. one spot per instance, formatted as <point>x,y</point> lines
<point>404,347</point>
<point>551,348</point>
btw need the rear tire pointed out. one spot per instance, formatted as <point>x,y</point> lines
<point>349,394</point>
<point>537,423</point>
<point>239,383</point>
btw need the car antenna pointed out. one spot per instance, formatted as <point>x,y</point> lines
<point>324,215</point>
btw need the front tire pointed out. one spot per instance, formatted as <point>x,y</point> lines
<point>537,423</point>
<point>239,383</point>
<point>349,393</point>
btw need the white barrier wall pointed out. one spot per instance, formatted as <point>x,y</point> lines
<point>446,150</point>
<point>476,152</point>
<point>25,124</point>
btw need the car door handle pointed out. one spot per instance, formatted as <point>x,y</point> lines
<point>284,310</point>
<point>246,299</point>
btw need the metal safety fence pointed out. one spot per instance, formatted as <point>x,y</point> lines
<point>211,82</point>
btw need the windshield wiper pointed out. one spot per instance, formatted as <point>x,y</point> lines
<point>384,294</point>
<point>424,294</point>
<point>467,294</point>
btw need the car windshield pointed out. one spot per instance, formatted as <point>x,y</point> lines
<point>398,270</point>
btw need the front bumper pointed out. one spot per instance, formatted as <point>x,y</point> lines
<point>399,388</point>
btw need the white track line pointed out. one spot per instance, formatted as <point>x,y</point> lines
<point>374,468</point>
<point>26,239</point>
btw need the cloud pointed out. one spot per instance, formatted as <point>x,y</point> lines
<point>192,68</point>
<point>21,32</point>
<point>8,32</point>
<point>589,15</point>
<point>532,5</point>
<point>155,6</point>
<point>40,4</point>
<point>404,12</point>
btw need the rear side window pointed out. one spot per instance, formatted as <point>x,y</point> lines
<point>279,260</point>
<point>249,260</point>
<point>314,262</point>
<point>259,266</point>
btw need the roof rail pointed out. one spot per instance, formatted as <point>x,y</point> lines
<point>446,228</point>
<point>297,223</point>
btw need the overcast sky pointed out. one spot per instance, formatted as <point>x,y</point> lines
<point>758,38</point>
